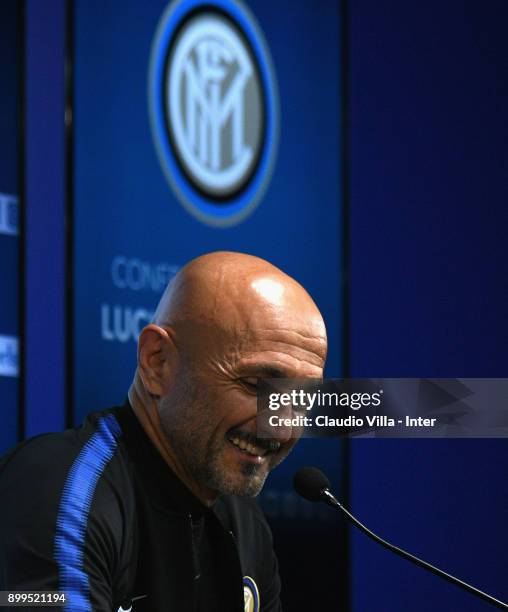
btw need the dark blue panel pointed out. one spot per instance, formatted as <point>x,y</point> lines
<point>10,75</point>
<point>45,217</point>
<point>10,66</point>
<point>130,227</point>
<point>429,92</point>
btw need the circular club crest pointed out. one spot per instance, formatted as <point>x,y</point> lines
<point>213,108</point>
<point>250,595</point>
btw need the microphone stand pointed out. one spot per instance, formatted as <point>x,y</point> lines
<point>328,497</point>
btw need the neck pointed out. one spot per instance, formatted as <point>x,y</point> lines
<point>146,410</point>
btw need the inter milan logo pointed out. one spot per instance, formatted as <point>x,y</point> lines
<point>213,108</point>
<point>250,595</point>
<point>213,86</point>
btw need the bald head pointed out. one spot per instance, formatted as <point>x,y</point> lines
<point>225,321</point>
<point>230,291</point>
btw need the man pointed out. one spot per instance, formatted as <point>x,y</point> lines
<point>148,506</point>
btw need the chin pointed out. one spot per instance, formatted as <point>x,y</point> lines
<point>242,485</point>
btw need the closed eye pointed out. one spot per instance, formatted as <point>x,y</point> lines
<point>250,383</point>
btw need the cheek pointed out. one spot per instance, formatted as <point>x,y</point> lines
<point>234,407</point>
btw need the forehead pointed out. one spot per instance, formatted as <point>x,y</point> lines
<point>259,318</point>
<point>277,348</point>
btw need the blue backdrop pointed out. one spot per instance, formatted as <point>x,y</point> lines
<point>429,133</point>
<point>427,263</point>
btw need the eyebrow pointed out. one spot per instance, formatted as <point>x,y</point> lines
<point>269,371</point>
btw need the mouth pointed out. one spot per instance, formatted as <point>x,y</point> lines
<point>251,449</point>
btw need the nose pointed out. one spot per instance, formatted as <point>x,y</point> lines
<point>281,425</point>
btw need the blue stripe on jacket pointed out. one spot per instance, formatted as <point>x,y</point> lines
<point>74,509</point>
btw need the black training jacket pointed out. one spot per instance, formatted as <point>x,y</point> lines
<point>96,513</point>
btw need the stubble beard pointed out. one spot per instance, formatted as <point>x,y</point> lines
<point>191,437</point>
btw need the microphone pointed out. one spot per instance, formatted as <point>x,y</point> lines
<point>312,484</point>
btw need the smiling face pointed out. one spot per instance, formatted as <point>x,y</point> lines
<point>262,325</point>
<point>210,418</point>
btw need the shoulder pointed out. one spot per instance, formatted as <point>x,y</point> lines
<point>60,490</point>
<point>58,462</point>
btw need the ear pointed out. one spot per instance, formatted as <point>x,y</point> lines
<point>156,353</point>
